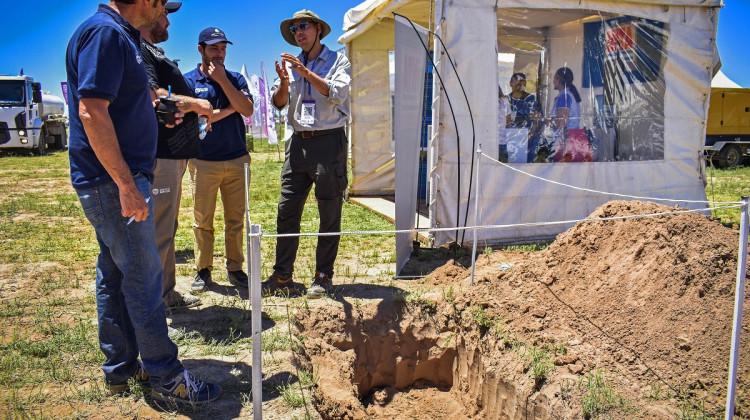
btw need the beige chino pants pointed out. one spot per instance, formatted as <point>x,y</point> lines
<point>207,179</point>
<point>166,191</point>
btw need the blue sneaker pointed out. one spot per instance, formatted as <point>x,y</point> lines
<point>186,388</point>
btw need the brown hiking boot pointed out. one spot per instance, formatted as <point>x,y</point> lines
<point>322,284</point>
<point>276,285</point>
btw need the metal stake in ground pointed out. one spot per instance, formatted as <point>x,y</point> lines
<point>252,243</point>
<point>476,216</point>
<point>247,218</point>
<point>739,299</point>
<point>257,378</point>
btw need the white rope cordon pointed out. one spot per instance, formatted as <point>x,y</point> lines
<point>450,229</point>
<point>604,192</point>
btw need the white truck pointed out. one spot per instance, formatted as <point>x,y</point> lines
<point>29,118</point>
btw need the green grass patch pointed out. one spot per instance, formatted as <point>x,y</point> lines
<point>727,185</point>
<point>599,395</point>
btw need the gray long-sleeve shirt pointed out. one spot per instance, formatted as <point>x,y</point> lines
<point>331,111</point>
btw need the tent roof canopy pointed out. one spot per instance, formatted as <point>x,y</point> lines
<point>721,80</point>
<point>361,17</point>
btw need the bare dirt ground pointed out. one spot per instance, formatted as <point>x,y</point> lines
<point>615,319</point>
<point>632,319</point>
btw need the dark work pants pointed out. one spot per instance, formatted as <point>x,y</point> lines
<point>322,161</point>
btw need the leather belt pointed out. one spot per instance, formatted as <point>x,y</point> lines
<point>311,134</point>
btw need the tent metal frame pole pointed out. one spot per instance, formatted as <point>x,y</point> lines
<point>476,215</point>
<point>739,300</point>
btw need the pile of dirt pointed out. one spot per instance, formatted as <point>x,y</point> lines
<point>641,306</point>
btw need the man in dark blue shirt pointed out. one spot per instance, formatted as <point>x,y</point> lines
<point>112,145</point>
<point>222,162</point>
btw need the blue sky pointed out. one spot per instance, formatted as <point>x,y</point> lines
<point>36,41</point>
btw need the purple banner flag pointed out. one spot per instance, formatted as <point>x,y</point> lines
<point>65,91</point>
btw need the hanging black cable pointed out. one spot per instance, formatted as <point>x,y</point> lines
<point>455,124</point>
<point>473,138</point>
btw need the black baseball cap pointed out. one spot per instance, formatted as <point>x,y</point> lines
<point>212,36</point>
<point>172,6</point>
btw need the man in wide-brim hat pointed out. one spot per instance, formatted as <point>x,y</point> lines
<point>303,15</point>
<point>314,87</point>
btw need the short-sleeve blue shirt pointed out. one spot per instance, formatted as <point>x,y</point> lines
<point>523,108</point>
<point>103,60</point>
<point>226,140</point>
<point>566,100</point>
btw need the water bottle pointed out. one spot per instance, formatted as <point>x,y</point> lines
<point>202,125</point>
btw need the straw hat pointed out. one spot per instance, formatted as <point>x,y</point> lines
<point>302,15</point>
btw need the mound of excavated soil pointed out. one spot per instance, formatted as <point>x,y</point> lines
<point>646,302</point>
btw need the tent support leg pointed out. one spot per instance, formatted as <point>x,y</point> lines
<point>739,299</point>
<point>476,215</point>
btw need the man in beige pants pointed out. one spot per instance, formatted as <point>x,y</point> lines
<point>223,156</point>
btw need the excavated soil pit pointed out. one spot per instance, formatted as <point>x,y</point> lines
<point>638,310</point>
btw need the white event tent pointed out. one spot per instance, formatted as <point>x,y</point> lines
<point>643,70</point>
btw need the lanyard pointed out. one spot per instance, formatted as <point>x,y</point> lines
<point>307,82</point>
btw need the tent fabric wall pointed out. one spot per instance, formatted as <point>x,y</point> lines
<point>373,170</point>
<point>469,30</point>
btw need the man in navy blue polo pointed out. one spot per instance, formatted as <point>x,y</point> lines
<point>113,133</point>
<point>222,162</point>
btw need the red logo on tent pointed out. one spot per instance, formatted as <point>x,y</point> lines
<point>620,38</point>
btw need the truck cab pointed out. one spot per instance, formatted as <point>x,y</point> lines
<point>30,119</point>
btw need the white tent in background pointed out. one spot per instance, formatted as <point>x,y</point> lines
<point>644,78</point>
<point>722,81</point>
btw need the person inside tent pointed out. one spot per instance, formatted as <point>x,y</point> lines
<point>503,119</point>
<point>562,139</point>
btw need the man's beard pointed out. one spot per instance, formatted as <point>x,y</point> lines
<point>207,61</point>
<point>159,35</point>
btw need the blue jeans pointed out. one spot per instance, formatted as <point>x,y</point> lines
<point>130,308</point>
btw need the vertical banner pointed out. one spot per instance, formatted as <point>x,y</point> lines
<point>267,120</point>
<point>243,72</point>
<point>263,104</point>
<point>410,58</point>
<point>65,91</point>
<point>255,90</point>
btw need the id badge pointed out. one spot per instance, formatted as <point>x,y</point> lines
<point>308,112</point>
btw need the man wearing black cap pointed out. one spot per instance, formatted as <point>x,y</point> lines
<point>175,146</point>
<point>223,158</point>
<point>315,90</point>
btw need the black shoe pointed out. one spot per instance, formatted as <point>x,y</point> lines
<point>237,278</point>
<point>202,280</point>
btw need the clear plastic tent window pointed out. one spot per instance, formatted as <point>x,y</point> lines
<point>594,86</point>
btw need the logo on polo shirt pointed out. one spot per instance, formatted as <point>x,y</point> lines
<point>199,90</point>
<point>138,58</point>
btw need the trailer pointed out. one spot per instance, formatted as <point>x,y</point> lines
<point>30,118</point>
<point>728,126</point>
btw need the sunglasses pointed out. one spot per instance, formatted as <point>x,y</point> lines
<point>300,26</point>
<point>163,2</point>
